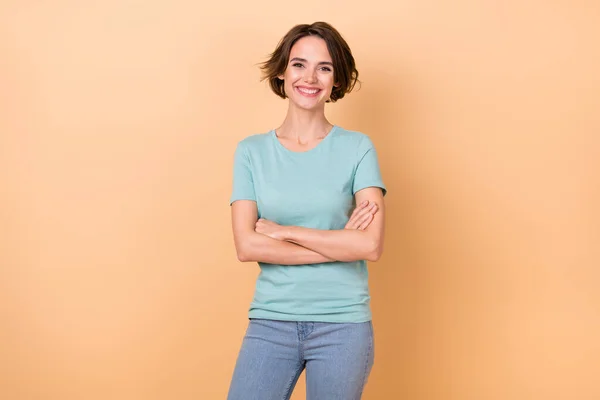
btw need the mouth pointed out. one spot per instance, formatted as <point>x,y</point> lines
<point>307,92</point>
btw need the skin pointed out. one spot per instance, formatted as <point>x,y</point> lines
<point>308,81</point>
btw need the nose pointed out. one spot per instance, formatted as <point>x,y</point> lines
<point>310,76</point>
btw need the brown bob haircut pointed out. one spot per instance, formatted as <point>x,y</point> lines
<point>344,68</point>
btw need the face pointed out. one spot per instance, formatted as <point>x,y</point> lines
<point>308,78</point>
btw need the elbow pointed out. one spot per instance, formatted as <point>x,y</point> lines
<point>375,251</point>
<point>243,255</point>
<point>247,249</point>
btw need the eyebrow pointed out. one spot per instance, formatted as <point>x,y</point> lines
<point>304,60</point>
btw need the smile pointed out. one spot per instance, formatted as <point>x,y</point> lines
<point>308,92</point>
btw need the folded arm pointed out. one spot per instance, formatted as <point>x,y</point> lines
<point>345,244</point>
<point>263,240</point>
<point>253,246</point>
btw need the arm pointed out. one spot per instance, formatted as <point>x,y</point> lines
<point>351,245</point>
<point>345,244</point>
<point>253,246</point>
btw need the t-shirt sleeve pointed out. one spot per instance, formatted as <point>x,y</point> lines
<point>368,173</point>
<point>243,184</point>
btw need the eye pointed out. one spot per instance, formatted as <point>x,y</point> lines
<point>297,65</point>
<point>326,69</point>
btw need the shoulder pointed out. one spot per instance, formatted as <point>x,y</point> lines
<point>354,139</point>
<point>253,141</point>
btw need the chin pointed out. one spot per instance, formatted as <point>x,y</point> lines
<point>309,105</point>
<point>314,106</point>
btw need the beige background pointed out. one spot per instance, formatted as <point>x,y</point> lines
<point>118,276</point>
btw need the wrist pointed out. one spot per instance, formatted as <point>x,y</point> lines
<point>288,233</point>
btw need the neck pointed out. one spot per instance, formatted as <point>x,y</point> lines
<point>304,125</point>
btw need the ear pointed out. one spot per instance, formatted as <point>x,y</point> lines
<point>280,77</point>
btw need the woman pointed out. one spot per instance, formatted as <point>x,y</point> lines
<point>295,190</point>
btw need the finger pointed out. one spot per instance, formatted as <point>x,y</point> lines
<point>362,214</point>
<point>359,207</point>
<point>369,210</point>
<point>375,208</point>
<point>353,217</point>
<point>369,218</point>
<point>351,224</point>
<point>362,220</point>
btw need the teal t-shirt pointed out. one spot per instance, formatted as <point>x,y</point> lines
<point>313,189</point>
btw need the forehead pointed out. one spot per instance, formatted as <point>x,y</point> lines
<point>311,48</point>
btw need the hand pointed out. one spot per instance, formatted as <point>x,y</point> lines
<point>269,228</point>
<point>362,216</point>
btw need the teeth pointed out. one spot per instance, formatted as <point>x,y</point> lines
<point>308,91</point>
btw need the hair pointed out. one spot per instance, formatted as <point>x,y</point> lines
<point>344,68</point>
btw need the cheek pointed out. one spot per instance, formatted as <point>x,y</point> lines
<point>292,75</point>
<point>289,80</point>
<point>328,80</point>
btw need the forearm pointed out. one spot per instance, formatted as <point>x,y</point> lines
<point>261,248</point>
<point>342,245</point>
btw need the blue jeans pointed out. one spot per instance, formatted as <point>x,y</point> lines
<point>338,358</point>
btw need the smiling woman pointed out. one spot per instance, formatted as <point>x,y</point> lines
<point>307,206</point>
<point>327,48</point>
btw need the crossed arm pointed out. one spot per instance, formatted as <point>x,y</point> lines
<point>265,241</point>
